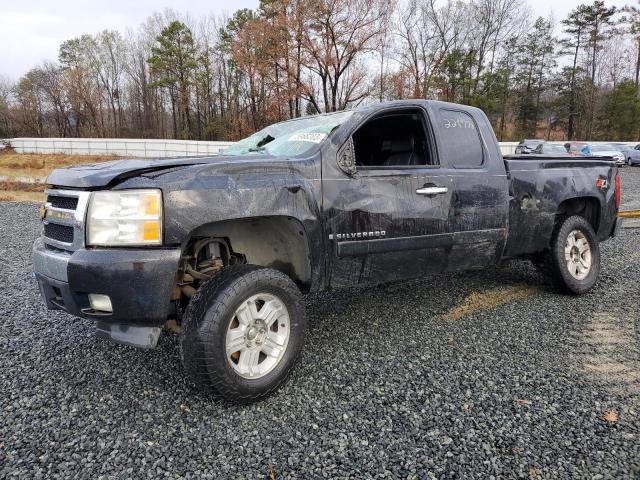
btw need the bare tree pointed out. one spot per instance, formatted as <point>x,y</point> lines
<point>107,59</point>
<point>224,77</point>
<point>632,19</point>
<point>339,32</point>
<point>7,88</point>
<point>418,50</point>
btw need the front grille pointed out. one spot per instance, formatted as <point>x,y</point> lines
<point>68,203</point>
<point>64,219</point>
<point>61,233</point>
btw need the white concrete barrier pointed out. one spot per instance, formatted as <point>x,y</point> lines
<point>509,148</point>
<point>129,147</point>
<point>154,148</point>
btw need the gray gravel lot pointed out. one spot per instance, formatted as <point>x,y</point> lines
<point>387,386</point>
<point>630,188</point>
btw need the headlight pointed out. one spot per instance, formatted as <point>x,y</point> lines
<point>125,217</point>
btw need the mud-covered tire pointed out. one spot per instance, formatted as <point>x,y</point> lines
<point>556,263</point>
<point>207,319</point>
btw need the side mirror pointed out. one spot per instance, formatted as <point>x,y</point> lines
<point>347,158</point>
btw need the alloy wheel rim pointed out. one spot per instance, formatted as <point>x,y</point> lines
<point>257,336</point>
<point>577,254</point>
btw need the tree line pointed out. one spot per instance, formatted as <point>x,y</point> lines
<point>222,78</point>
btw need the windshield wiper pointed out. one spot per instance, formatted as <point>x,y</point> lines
<point>260,147</point>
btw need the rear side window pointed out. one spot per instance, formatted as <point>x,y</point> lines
<point>461,142</point>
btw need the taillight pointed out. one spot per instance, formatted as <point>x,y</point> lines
<point>618,191</point>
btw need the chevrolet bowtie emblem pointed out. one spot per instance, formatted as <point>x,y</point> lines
<point>47,214</point>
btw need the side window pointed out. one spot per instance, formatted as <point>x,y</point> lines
<point>396,139</point>
<point>461,142</point>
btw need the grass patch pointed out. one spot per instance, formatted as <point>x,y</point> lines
<point>479,301</point>
<point>49,161</point>
<point>36,166</point>
<point>21,186</point>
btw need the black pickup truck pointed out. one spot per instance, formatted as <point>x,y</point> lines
<point>225,246</point>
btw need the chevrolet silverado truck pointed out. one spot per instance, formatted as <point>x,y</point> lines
<point>225,246</point>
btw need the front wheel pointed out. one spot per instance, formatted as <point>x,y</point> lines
<point>242,332</point>
<point>573,262</point>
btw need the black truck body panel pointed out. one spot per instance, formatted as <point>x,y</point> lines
<point>100,175</point>
<point>227,191</point>
<point>539,186</point>
<point>344,228</point>
<point>139,283</point>
<point>464,228</point>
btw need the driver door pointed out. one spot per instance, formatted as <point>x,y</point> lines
<point>388,214</point>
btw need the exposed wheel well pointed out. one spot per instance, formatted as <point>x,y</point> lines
<point>276,242</point>
<point>586,207</point>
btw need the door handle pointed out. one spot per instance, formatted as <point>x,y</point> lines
<point>432,190</point>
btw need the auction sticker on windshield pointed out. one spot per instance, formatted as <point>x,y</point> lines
<point>314,137</point>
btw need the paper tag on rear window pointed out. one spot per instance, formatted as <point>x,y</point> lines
<point>313,137</point>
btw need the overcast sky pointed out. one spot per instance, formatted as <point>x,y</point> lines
<point>31,31</point>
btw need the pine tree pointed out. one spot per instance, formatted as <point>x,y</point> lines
<point>535,57</point>
<point>173,62</point>
<point>575,27</point>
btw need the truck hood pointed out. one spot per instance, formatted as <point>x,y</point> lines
<point>94,176</point>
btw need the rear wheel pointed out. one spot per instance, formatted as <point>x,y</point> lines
<point>573,262</point>
<point>242,332</point>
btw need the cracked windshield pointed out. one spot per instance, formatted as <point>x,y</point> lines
<point>292,138</point>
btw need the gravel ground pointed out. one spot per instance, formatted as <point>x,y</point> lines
<point>630,188</point>
<point>387,386</point>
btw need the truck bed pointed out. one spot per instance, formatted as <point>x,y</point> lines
<point>557,159</point>
<point>539,185</point>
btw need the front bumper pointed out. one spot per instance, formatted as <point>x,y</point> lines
<point>139,282</point>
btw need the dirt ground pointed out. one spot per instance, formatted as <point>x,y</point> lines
<point>22,175</point>
<point>38,164</point>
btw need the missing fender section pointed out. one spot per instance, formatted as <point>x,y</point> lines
<point>480,301</point>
